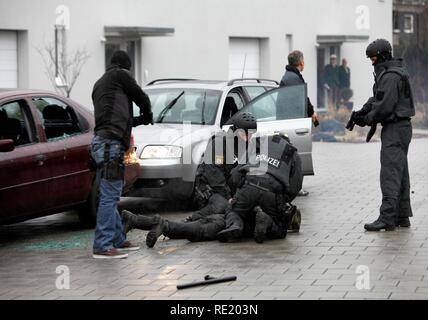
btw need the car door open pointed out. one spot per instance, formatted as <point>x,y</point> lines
<point>284,110</point>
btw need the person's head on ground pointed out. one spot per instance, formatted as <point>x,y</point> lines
<point>121,59</point>
<point>297,60</point>
<point>379,51</point>
<point>244,125</point>
<point>333,60</point>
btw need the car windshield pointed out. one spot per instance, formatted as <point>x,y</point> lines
<point>196,106</point>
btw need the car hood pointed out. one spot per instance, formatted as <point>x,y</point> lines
<point>172,134</point>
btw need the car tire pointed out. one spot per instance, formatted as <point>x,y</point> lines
<point>88,212</point>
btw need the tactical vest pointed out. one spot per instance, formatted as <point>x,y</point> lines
<point>404,107</point>
<point>281,161</point>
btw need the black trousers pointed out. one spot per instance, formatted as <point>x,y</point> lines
<point>394,174</point>
<point>217,204</point>
<point>204,229</point>
<point>242,213</point>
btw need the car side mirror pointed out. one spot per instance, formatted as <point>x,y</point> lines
<point>7,145</point>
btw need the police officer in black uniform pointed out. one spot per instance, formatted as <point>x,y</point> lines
<point>392,106</point>
<point>214,187</point>
<point>271,180</point>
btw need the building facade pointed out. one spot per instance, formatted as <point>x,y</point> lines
<point>409,25</point>
<point>205,39</point>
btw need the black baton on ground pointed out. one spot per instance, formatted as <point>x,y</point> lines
<point>208,280</point>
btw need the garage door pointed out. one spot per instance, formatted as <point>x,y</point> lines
<point>244,56</point>
<point>8,60</point>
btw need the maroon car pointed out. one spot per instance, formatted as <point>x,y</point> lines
<point>44,150</point>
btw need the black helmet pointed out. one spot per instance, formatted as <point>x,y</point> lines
<point>379,48</point>
<point>245,121</point>
<point>122,59</point>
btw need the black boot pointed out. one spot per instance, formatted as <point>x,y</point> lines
<point>263,223</point>
<point>378,226</point>
<point>132,221</point>
<point>295,222</point>
<point>403,223</point>
<point>234,227</point>
<point>159,227</point>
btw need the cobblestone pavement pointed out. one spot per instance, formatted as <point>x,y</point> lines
<point>318,263</point>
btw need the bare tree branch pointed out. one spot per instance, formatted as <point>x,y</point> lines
<point>69,65</point>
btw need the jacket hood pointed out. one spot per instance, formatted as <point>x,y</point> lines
<point>121,59</point>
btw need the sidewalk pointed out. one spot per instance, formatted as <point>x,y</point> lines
<point>319,263</point>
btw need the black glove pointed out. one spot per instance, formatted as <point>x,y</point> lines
<point>147,118</point>
<point>360,120</point>
<point>143,119</point>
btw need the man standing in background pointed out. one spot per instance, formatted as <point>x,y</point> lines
<point>293,77</point>
<point>331,81</point>
<point>344,79</point>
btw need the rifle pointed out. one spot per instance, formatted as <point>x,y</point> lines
<point>351,125</point>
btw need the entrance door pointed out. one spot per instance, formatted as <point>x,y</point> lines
<point>323,58</point>
<point>129,46</point>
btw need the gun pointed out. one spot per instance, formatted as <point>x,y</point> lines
<point>351,123</point>
<point>208,280</point>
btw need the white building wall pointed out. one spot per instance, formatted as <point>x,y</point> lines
<point>199,47</point>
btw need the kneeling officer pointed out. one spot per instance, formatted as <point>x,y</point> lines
<point>271,181</point>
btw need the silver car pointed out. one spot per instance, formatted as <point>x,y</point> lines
<point>188,113</point>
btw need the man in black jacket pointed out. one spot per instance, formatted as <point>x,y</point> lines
<point>392,106</point>
<point>293,77</point>
<point>112,96</point>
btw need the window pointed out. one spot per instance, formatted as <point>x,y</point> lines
<point>14,123</point>
<point>254,92</point>
<point>59,120</point>
<point>396,22</point>
<point>237,98</point>
<point>284,103</point>
<point>188,105</point>
<point>408,23</point>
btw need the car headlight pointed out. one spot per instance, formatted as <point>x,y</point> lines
<point>161,152</point>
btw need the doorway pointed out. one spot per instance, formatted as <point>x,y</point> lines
<point>324,52</point>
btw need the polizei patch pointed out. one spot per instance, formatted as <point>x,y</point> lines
<point>271,161</point>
